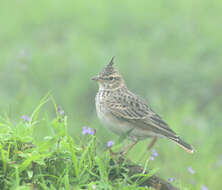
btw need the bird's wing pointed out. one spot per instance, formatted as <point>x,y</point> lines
<point>129,107</point>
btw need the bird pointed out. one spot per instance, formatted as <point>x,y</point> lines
<point>123,112</point>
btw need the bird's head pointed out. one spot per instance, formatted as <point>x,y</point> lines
<point>109,78</point>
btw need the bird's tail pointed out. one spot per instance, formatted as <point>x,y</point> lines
<point>182,144</point>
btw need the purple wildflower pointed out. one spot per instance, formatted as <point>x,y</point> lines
<point>110,144</point>
<point>171,179</point>
<point>26,118</point>
<point>87,130</point>
<point>204,187</point>
<point>92,132</point>
<point>154,153</point>
<point>61,111</point>
<point>190,169</point>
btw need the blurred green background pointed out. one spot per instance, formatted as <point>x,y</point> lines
<point>169,52</point>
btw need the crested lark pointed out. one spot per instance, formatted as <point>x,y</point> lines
<point>123,112</point>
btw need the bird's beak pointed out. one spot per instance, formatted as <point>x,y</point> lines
<point>96,78</point>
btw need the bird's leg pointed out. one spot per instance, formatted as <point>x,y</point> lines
<point>132,145</point>
<point>127,149</point>
<point>111,152</point>
<point>150,145</point>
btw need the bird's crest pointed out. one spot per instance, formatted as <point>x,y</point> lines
<point>109,69</point>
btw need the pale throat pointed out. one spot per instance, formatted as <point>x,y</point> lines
<point>111,88</point>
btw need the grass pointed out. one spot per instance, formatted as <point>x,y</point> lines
<point>58,161</point>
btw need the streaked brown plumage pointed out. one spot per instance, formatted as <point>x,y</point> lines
<point>124,112</point>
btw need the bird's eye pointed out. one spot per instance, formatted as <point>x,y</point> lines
<point>111,78</point>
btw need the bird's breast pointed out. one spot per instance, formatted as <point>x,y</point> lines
<point>109,121</point>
